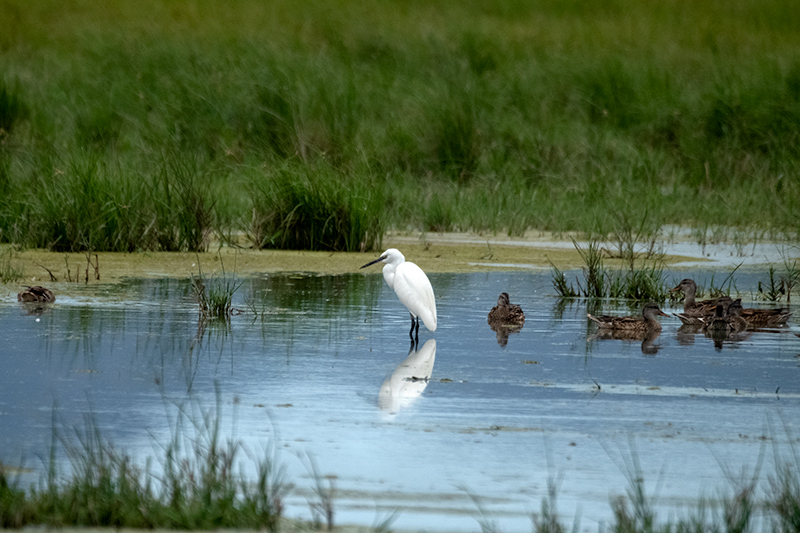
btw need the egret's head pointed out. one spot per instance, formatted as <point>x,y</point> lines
<point>390,256</point>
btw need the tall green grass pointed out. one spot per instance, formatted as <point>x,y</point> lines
<point>492,117</point>
<point>315,209</point>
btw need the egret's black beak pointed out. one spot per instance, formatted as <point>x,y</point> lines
<point>378,260</point>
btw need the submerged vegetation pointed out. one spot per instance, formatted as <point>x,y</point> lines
<point>321,125</point>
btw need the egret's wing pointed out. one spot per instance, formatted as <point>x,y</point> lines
<point>414,290</point>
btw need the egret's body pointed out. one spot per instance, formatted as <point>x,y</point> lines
<point>412,287</point>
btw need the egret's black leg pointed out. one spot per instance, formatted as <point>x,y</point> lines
<point>416,332</point>
<point>411,333</point>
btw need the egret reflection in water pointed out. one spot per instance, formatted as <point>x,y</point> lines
<point>409,379</point>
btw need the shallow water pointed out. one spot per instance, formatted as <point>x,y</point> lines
<point>325,370</point>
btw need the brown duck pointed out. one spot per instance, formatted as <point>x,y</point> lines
<point>506,313</point>
<point>698,318</point>
<point>759,318</point>
<point>632,323</point>
<point>727,318</point>
<point>691,307</point>
<point>36,294</point>
<point>695,312</point>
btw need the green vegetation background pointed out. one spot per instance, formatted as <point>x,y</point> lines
<point>319,125</point>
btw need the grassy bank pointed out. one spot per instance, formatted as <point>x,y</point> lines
<point>320,126</point>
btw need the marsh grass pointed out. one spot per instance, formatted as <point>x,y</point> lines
<point>9,269</point>
<point>12,107</point>
<point>774,289</point>
<point>594,273</point>
<point>792,276</point>
<point>201,483</point>
<point>316,209</point>
<point>322,508</point>
<point>780,285</point>
<point>214,295</point>
<point>79,204</point>
<point>563,288</point>
<point>638,282</point>
<point>481,125</point>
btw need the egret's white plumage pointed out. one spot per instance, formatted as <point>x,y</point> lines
<point>411,285</point>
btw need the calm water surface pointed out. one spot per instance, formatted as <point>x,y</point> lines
<point>325,370</point>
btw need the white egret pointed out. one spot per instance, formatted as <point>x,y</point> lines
<point>412,287</point>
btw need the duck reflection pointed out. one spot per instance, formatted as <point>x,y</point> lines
<point>503,331</point>
<point>726,325</point>
<point>686,334</point>
<point>721,336</point>
<point>35,308</point>
<point>648,338</point>
<point>409,379</point>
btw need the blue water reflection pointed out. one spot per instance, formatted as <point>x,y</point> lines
<point>321,365</point>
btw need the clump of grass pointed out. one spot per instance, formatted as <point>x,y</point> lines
<point>563,288</point>
<point>594,273</point>
<point>200,485</point>
<point>724,288</point>
<point>80,204</point>
<point>184,207</point>
<point>322,509</point>
<point>548,521</point>
<point>774,289</point>
<point>792,277</point>
<point>315,208</point>
<point>785,499</point>
<point>9,271</point>
<point>639,282</point>
<point>778,286</point>
<point>628,235</point>
<point>12,108</point>
<point>214,296</point>
<point>644,283</point>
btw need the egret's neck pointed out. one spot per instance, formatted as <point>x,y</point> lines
<point>388,273</point>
